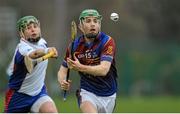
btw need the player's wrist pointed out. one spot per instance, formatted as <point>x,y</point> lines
<point>83,68</point>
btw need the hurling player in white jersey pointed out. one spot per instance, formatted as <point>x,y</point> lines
<point>26,89</point>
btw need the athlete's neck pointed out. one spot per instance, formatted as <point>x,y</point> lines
<point>89,40</point>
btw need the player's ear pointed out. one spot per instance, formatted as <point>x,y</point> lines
<point>80,27</point>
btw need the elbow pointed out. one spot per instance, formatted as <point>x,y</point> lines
<point>104,71</point>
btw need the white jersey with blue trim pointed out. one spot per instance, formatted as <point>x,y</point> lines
<point>20,79</point>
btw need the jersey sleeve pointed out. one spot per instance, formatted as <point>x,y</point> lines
<point>25,50</point>
<point>108,51</point>
<point>43,42</point>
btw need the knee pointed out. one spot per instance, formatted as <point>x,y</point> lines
<point>48,107</point>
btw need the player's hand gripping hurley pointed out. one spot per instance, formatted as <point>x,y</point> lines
<point>73,36</point>
<point>31,63</point>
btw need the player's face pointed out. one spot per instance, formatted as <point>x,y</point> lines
<point>91,25</point>
<point>32,31</point>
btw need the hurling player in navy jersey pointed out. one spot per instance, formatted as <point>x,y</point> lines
<point>94,59</point>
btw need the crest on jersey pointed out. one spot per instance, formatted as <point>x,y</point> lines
<point>109,50</point>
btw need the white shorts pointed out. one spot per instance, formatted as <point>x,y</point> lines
<point>102,104</point>
<point>36,106</point>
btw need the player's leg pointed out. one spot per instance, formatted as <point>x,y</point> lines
<point>87,102</point>
<point>90,103</point>
<point>44,105</point>
<point>111,105</point>
<point>48,107</point>
<point>88,107</point>
<point>106,104</point>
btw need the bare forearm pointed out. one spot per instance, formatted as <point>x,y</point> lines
<point>62,73</point>
<point>37,53</point>
<point>98,70</point>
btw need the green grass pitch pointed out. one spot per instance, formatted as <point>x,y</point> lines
<point>123,104</point>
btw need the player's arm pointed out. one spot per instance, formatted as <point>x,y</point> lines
<point>38,53</point>
<point>62,73</point>
<point>98,70</point>
<point>41,52</point>
<point>34,57</point>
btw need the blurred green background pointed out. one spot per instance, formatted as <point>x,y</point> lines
<point>148,48</point>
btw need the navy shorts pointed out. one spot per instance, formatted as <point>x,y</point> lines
<point>19,102</point>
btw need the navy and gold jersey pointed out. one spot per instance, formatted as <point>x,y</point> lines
<point>102,49</point>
